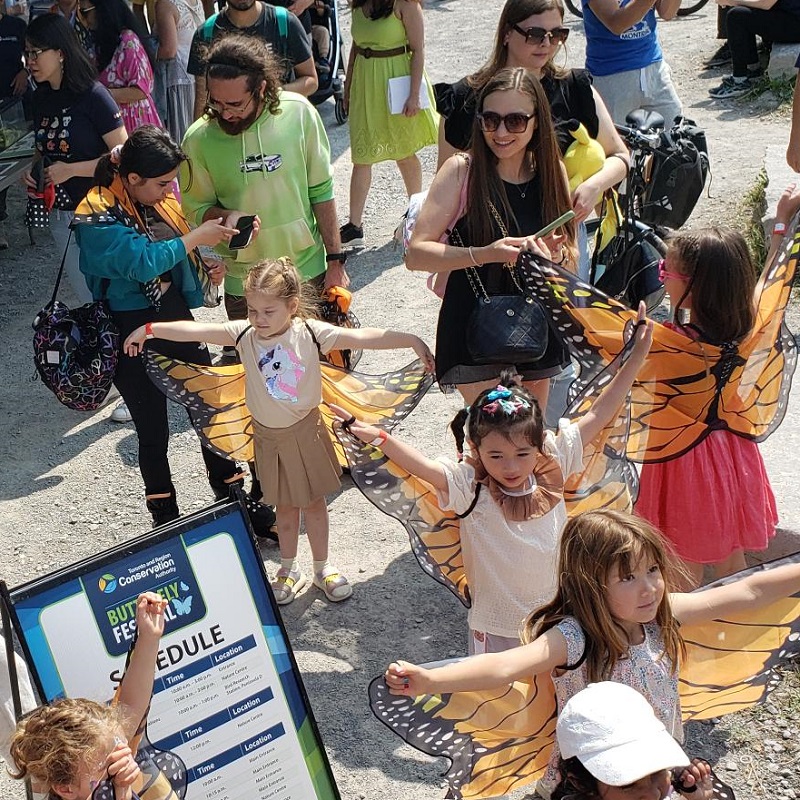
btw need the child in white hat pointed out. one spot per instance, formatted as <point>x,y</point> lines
<point>614,748</point>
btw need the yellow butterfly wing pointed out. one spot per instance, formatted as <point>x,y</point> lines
<point>730,663</point>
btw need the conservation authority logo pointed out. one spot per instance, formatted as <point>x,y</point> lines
<point>107,583</point>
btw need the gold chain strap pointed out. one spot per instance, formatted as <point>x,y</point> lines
<point>472,274</point>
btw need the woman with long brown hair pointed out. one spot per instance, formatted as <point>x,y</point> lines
<point>531,34</point>
<point>516,185</point>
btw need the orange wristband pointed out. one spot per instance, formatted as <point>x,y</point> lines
<point>380,439</point>
<point>148,330</point>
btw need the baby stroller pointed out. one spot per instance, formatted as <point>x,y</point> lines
<point>330,70</point>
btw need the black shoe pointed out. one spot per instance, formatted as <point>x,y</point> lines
<point>228,356</point>
<point>163,509</point>
<point>262,518</point>
<point>720,59</point>
<point>352,235</point>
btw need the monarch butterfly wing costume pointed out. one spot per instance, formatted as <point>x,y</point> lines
<point>730,663</point>
<point>500,739</point>
<point>687,388</point>
<point>607,481</point>
<point>215,396</point>
<point>496,740</point>
<point>434,533</point>
<point>163,773</point>
<point>380,400</point>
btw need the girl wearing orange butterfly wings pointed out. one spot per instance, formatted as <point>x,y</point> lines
<point>613,618</point>
<point>509,493</point>
<point>715,501</point>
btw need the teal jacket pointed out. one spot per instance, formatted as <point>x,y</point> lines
<point>127,259</point>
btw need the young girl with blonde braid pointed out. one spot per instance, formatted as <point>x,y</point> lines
<point>509,493</point>
<point>70,746</point>
<point>279,345</point>
<point>613,618</point>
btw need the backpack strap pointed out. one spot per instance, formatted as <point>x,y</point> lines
<point>207,28</point>
<point>61,269</point>
<point>473,503</point>
<point>282,15</point>
<point>314,338</point>
<point>239,337</point>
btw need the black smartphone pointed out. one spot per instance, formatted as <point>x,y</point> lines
<point>243,238</point>
<point>37,172</point>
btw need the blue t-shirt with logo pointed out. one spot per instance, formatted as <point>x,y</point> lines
<point>608,54</point>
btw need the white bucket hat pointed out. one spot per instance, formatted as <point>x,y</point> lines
<point>614,733</point>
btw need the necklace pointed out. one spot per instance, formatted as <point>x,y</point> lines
<point>523,188</point>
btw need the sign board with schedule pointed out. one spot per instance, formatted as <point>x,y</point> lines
<point>228,699</point>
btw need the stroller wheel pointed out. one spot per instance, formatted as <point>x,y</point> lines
<point>339,112</point>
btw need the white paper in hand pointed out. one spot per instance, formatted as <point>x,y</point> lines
<point>400,88</point>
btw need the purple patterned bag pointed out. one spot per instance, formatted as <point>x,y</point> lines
<point>76,351</point>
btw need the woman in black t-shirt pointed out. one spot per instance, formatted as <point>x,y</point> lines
<point>530,34</point>
<point>75,121</point>
<point>515,184</point>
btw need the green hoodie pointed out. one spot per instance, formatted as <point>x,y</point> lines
<point>277,169</point>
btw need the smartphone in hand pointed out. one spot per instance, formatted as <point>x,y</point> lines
<point>242,239</point>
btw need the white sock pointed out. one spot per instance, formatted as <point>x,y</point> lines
<point>290,564</point>
<point>319,566</point>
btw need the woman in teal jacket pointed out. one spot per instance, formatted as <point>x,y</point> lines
<point>137,252</point>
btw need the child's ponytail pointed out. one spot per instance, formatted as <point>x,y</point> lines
<point>457,426</point>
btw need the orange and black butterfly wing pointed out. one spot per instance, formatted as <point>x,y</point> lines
<point>380,400</point>
<point>215,396</point>
<point>755,399</point>
<point>434,534</point>
<point>608,479</point>
<point>496,740</point>
<point>730,663</point>
<point>675,389</point>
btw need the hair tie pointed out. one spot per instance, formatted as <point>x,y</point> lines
<point>502,399</point>
<point>116,154</point>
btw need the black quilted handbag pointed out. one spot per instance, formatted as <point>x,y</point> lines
<point>76,350</point>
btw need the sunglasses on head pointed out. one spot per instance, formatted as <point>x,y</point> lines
<point>664,273</point>
<point>515,122</point>
<point>538,35</point>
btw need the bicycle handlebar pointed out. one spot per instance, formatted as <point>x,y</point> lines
<point>644,139</point>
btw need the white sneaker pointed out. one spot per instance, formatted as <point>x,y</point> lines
<point>121,413</point>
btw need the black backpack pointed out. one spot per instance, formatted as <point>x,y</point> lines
<point>678,175</point>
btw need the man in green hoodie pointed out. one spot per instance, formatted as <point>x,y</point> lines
<point>264,151</point>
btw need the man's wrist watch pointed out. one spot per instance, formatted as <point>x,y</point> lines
<point>341,257</point>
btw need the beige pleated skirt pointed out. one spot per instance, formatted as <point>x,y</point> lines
<point>296,465</point>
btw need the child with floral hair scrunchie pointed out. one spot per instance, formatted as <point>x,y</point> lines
<point>510,534</point>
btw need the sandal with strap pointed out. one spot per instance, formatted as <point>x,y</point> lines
<point>335,586</point>
<point>287,585</point>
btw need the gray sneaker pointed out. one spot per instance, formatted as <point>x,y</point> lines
<point>735,87</point>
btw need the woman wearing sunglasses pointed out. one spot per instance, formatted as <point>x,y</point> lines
<point>531,34</point>
<point>513,185</point>
<point>75,121</point>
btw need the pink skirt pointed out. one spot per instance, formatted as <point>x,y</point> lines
<point>712,501</point>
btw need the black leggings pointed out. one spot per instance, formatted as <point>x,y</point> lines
<point>148,404</point>
<point>743,24</point>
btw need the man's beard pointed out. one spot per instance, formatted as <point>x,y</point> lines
<point>242,5</point>
<point>234,128</point>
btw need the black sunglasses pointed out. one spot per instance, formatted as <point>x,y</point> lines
<point>515,122</point>
<point>538,35</point>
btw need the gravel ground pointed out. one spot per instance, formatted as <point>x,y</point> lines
<point>70,486</point>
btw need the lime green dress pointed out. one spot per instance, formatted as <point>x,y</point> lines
<point>375,134</point>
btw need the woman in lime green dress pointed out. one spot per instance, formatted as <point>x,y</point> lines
<point>388,42</point>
